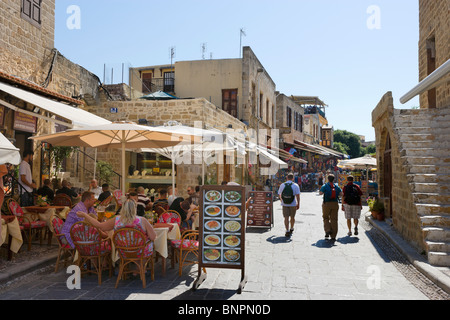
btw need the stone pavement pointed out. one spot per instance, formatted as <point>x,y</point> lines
<point>303,267</point>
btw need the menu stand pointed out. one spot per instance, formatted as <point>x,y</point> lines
<point>260,210</point>
<point>221,231</point>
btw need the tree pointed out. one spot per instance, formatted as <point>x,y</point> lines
<point>105,171</point>
<point>349,139</point>
<point>340,147</point>
<point>58,155</point>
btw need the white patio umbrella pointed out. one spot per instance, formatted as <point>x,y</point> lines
<point>367,162</point>
<point>8,152</point>
<point>212,141</point>
<point>119,135</point>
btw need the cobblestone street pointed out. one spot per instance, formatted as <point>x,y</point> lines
<point>304,267</point>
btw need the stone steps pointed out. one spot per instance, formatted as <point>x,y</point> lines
<point>425,148</point>
<point>431,198</point>
<point>431,221</point>
<point>428,178</point>
<point>432,209</point>
<point>439,258</point>
<point>402,130</point>
<point>425,152</point>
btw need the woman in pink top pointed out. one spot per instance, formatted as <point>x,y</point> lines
<point>127,219</point>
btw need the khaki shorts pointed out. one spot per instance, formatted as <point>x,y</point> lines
<point>289,211</point>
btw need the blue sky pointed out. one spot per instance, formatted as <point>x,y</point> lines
<point>309,47</point>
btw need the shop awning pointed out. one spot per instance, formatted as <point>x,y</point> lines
<point>75,117</point>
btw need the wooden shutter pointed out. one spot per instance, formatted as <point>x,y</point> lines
<point>31,11</point>
<point>229,101</point>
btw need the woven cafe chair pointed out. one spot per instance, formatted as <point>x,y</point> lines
<point>92,249</point>
<point>133,248</point>
<point>182,248</point>
<point>27,226</point>
<point>65,250</point>
<point>170,216</point>
<point>62,199</point>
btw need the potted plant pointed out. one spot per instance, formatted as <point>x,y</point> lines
<point>376,207</point>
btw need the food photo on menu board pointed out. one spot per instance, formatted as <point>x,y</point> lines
<point>222,226</point>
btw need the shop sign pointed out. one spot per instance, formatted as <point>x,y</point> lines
<point>24,122</point>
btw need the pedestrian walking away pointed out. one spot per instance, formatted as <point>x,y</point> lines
<point>330,207</point>
<point>351,204</point>
<point>289,193</point>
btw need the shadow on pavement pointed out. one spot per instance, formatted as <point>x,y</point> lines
<point>348,240</point>
<point>277,240</point>
<point>324,244</point>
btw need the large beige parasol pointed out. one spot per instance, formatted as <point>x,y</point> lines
<point>120,135</point>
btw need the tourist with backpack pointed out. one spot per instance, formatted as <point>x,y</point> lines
<point>330,207</point>
<point>289,193</point>
<point>351,204</point>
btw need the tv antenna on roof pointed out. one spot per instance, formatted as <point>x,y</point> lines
<point>173,54</point>
<point>242,33</point>
<point>203,50</point>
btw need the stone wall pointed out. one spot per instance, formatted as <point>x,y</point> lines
<point>434,23</point>
<point>403,212</point>
<point>25,48</point>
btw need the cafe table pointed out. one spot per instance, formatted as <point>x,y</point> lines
<point>163,235</point>
<point>46,214</point>
<point>11,231</point>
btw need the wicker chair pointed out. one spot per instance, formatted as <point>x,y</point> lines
<point>27,226</point>
<point>91,248</point>
<point>65,249</point>
<point>131,245</point>
<point>169,216</point>
<point>62,199</point>
<point>182,248</point>
<point>110,204</point>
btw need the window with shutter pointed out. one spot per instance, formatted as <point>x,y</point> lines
<point>230,101</point>
<point>31,11</point>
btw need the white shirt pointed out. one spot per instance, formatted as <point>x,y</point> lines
<point>25,169</point>
<point>295,189</point>
<point>97,191</point>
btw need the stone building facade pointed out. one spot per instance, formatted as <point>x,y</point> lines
<point>29,61</point>
<point>434,49</point>
<point>413,147</point>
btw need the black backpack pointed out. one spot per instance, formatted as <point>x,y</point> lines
<point>352,196</point>
<point>288,194</point>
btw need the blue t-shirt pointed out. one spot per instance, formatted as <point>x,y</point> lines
<point>295,189</point>
<point>326,189</point>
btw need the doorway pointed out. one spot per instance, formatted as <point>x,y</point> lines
<point>387,175</point>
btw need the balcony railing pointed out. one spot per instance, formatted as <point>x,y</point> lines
<point>159,84</point>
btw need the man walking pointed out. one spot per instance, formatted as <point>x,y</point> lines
<point>330,207</point>
<point>351,204</point>
<point>289,194</point>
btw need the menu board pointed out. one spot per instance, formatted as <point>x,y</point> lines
<point>260,209</point>
<point>222,226</point>
<point>222,230</point>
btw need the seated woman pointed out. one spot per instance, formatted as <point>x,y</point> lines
<point>127,219</point>
<point>185,209</point>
